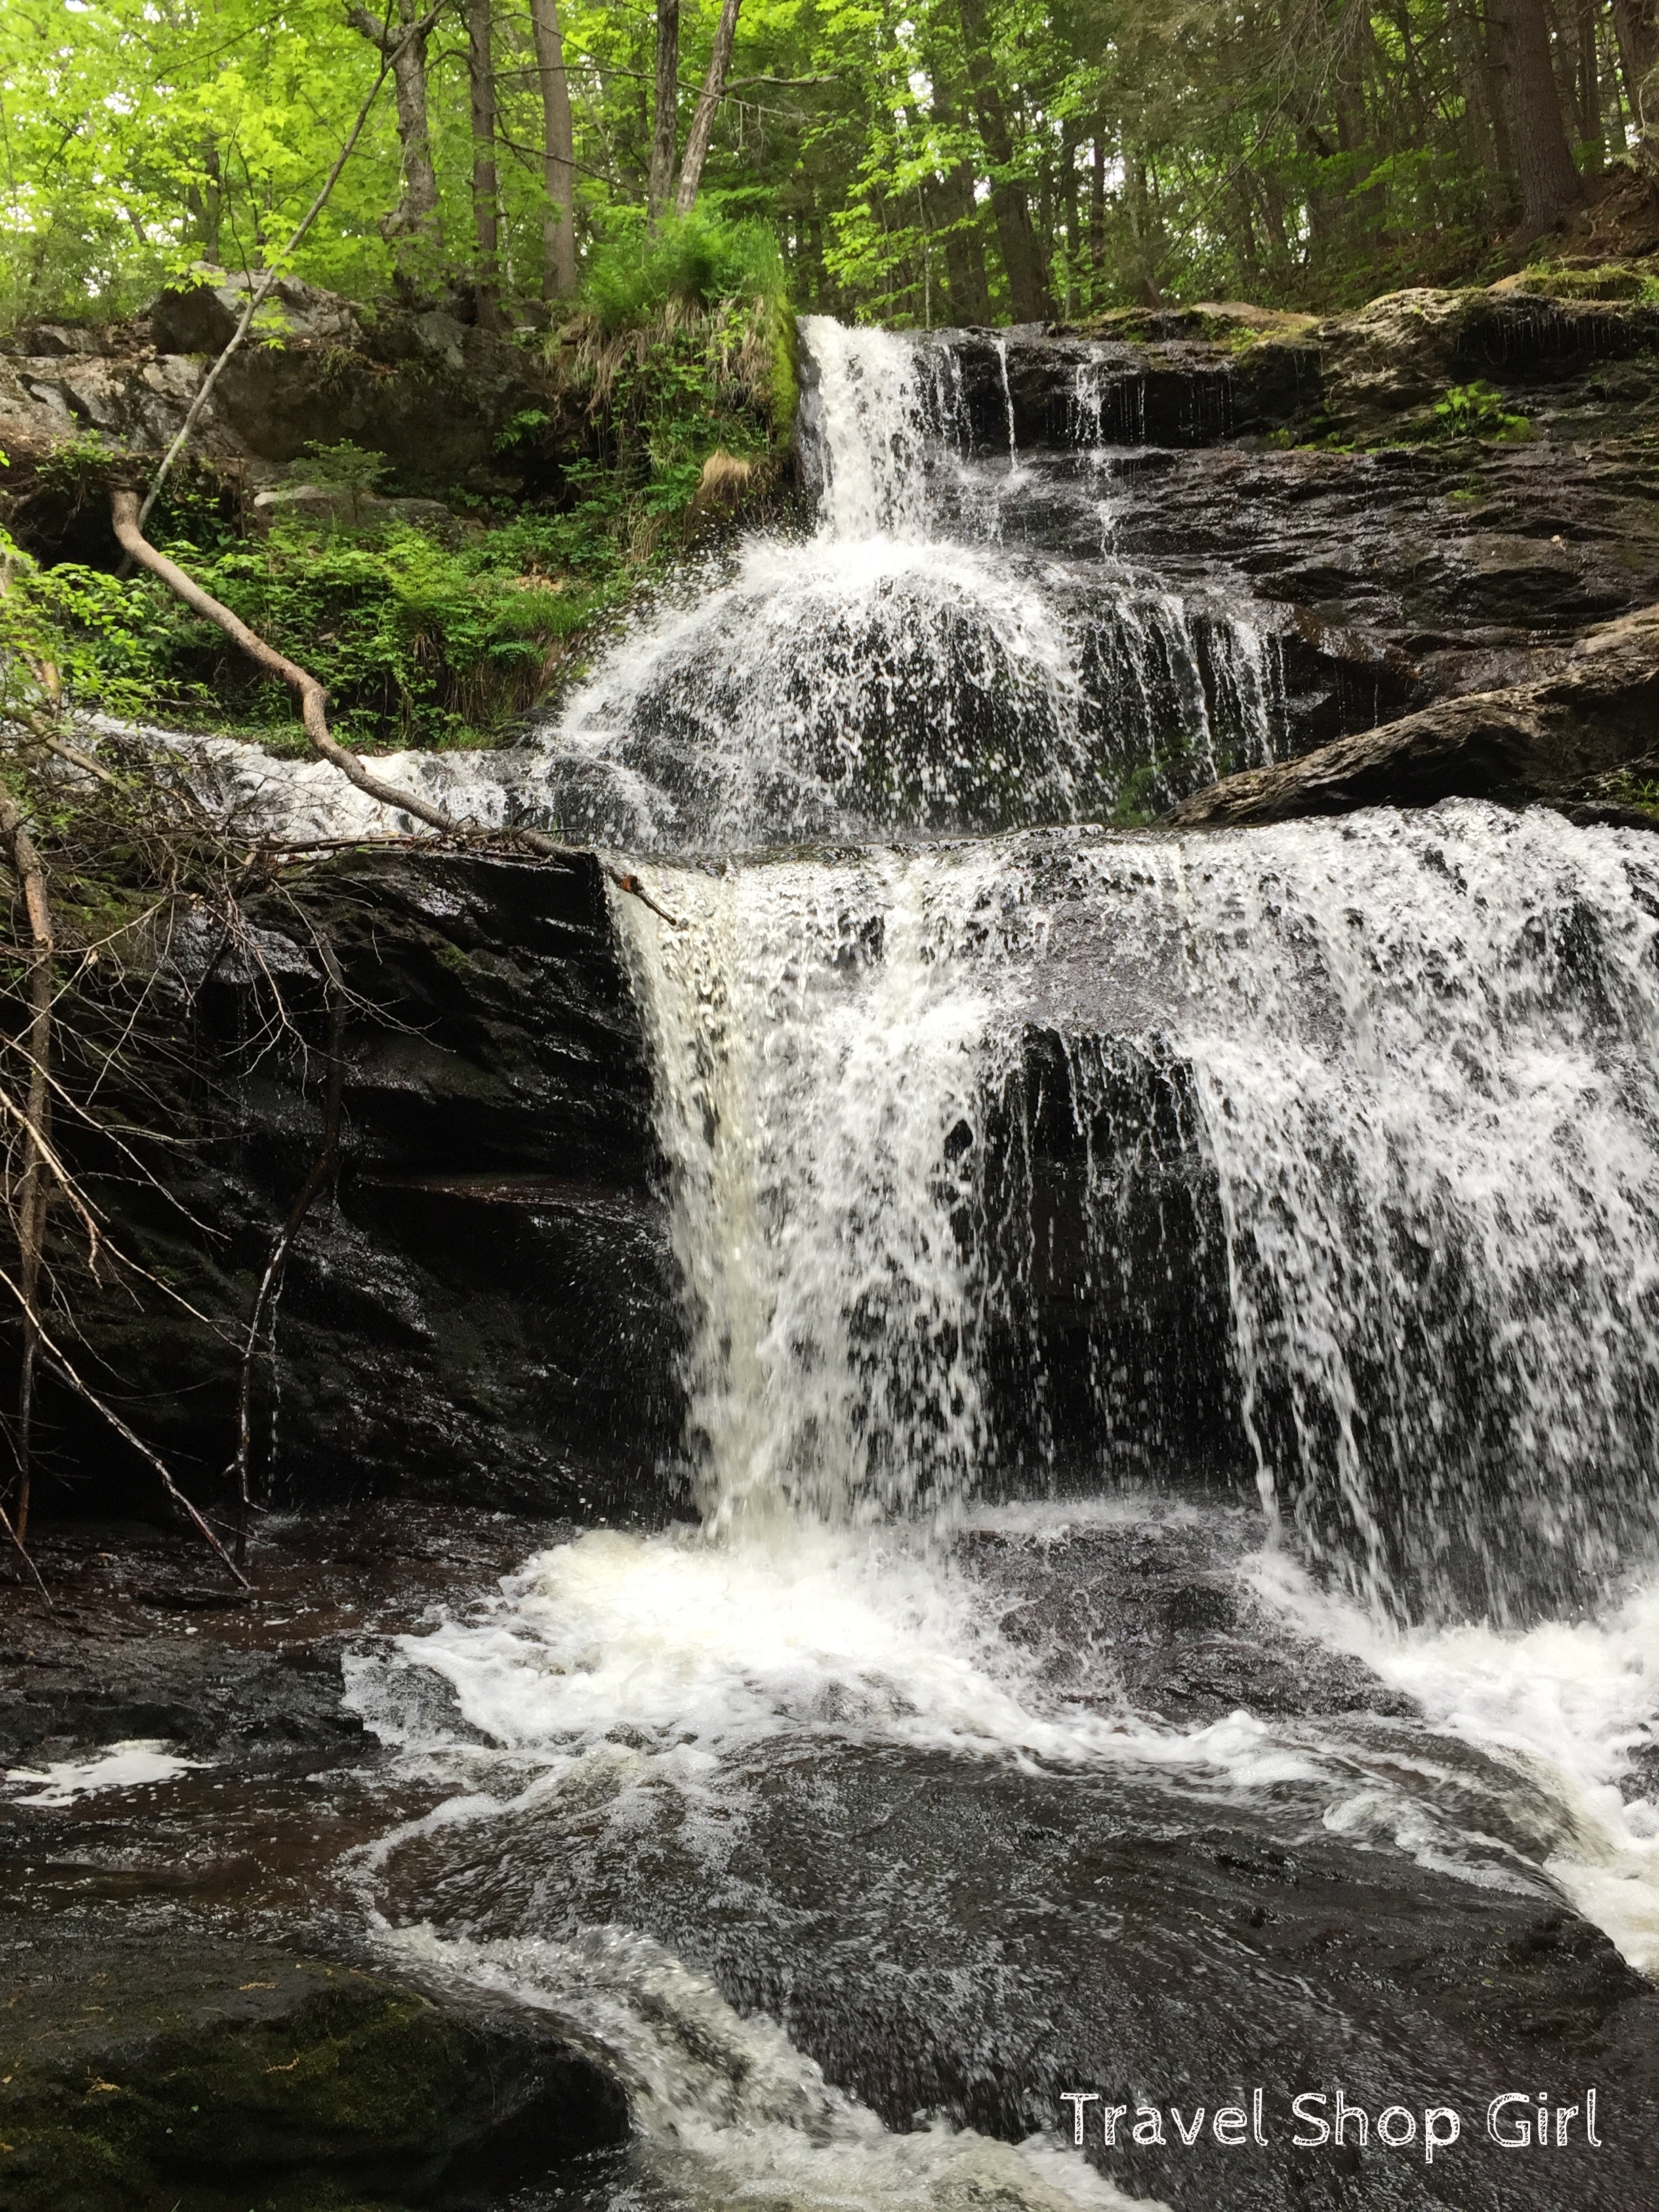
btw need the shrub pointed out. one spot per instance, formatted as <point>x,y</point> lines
<point>688,261</point>
<point>1476,411</point>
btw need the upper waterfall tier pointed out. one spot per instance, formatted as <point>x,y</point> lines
<point>954,643</point>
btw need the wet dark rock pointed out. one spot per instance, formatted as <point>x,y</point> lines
<point>1553,739</point>
<point>974,1936</point>
<point>484,1310</point>
<point>173,2061</point>
<point>1152,1611</point>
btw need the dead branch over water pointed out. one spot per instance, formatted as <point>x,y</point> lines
<point>313,701</point>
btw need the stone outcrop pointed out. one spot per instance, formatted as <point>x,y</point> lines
<point>436,396</point>
<point>140,2071</point>
<point>485,1305</point>
<point>1559,740</point>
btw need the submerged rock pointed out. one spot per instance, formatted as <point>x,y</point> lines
<point>176,2063</point>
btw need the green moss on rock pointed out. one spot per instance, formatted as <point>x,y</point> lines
<point>217,2078</point>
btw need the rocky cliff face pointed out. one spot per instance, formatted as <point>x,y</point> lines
<point>1402,556</point>
<point>483,1306</point>
<point>434,395</point>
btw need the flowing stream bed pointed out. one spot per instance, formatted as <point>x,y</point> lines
<point>1171,1347</point>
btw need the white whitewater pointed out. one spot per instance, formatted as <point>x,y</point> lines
<point>1419,1049</point>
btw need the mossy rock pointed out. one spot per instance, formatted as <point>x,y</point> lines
<point>222,2077</point>
<point>1614,280</point>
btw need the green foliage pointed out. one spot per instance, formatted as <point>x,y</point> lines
<point>418,643</point>
<point>342,467</point>
<point>1305,152</point>
<point>688,261</point>
<point>1476,411</point>
<point>75,629</point>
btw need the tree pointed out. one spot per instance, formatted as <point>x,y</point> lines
<point>1028,286</point>
<point>414,225</point>
<point>558,141</point>
<point>666,93</point>
<point>481,78</point>
<point>1550,183</point>
<point>702,116</point>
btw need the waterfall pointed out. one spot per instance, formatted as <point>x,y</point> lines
<point>1392,1077</point>
<point>1170,1349</point>
<point>909,663</point>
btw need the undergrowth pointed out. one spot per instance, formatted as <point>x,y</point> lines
<point>682,352</point>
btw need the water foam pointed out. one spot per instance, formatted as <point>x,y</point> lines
<point>1568,1705</point>
<point>137,1764</point>
<point>1414,1056</point>
<point>727,2115</point>
<point>687,1653</point>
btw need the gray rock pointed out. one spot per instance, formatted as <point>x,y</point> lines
<point>202,318</point>
<point>60,338</point>
<point>441,335</point>
<point>1552,740</point>
<point>345,510</point>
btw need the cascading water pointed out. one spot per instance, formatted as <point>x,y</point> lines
<point>1171,1353</point>
<point>914,661</point>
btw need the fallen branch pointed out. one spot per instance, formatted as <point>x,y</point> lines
<point>63,1368</point>
<point>17,1545</point>
<point>34,1192</point>
<point>128,523</point>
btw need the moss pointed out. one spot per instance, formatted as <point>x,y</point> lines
<point>318,2089</point>
<point>1612,280</point>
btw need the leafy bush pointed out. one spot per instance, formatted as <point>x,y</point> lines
<point>345,467</point>
<point>418,643</point>
<point>688,261</point>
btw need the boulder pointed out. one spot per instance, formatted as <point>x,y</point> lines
<point>203,317</point>
<point>1554,740</point>
<point>140,2072</point>
<point>346,510</point>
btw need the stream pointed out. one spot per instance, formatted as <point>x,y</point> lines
<point>1170,1340</point>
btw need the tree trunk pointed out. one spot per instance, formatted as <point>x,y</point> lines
<point>709,101</point>
<point>1482,114</point>
<point>665,129</point>
<point>1028,282</point>
<point>558,139</point>
<point>1590,87</point>
<point>1097,200</point>
<point>1141,229</point>
<point>1637,24</point>
<point>954,209</point>
<point>414,224</point>
<point>956,212</point>
<point>206,202</point>
<point>1550,183</point>
<point>35,1188</point>
<point>481,76</point>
